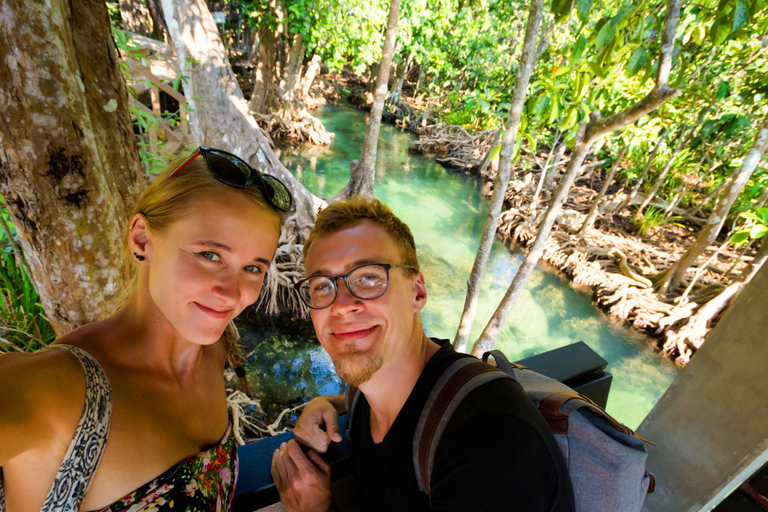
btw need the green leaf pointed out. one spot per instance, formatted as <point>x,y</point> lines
<point>608,31</point>
<point>758,231</point>
<point>740,237</point>
<point>763,213</point>
<point>636,62</point>
<point>741,11</point>
<point>582,9</point>
<point>578,49</point>
<point>719,31</point>
<point>723,90</point>
<point>561,9</point>
<point>750,216</point>
<point>554,110</point>
<point>570,121</point>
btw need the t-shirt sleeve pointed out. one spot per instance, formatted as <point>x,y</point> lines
<point>493,462</point>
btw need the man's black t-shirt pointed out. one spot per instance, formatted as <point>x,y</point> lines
<point>496,453</point>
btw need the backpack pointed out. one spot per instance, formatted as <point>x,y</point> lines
<point>605,459</point>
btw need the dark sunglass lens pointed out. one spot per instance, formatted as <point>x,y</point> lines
<point>277,193</point>
<point>228,169</point>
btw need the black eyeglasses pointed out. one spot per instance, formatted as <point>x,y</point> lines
<point>366,282</point>
<point>235,172</point>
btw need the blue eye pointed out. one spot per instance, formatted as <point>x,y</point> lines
<point>209,255</point>
<point>254,269</point>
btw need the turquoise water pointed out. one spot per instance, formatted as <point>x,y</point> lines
<point>446,214</point>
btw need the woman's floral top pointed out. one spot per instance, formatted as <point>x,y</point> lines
<point>202,483</point>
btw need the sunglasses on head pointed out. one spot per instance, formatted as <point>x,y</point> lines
<point>235,172</point>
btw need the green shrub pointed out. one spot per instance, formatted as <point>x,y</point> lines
<point>23,324</point>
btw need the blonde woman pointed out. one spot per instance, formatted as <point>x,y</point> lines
<point>130,413</point>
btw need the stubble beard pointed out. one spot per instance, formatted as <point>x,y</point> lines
<point>357,368</point>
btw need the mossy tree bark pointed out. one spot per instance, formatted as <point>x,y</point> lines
<point>69,165</point>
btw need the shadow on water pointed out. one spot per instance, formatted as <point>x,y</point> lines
<point>446,215</point>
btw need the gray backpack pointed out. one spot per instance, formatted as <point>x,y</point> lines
<point>606,460</point>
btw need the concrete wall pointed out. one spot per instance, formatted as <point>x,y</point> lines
<point>711,426</point>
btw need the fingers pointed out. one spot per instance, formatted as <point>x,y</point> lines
<point>318,461</point>
<point>318,425</point>
<point>331,420</point>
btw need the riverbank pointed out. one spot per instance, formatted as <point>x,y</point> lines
<point>619,259</point>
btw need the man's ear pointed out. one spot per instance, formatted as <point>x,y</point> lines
<point>419,293</point>
<point>139,237</point>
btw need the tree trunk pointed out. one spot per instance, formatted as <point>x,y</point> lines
<point>487,339</point>
<point>690,336</point>
<point>397,87</point>
<point>544,172</point>
<point>219,117</point>
<point>674,276</point>
<point>500,184</point>
<point>593,209</point>
<point>69,165</point>
<point>361,177</point>
<point>663,174</point>
<point>159,30</point>
<point>290,78</point>
<point>549,176</point>
<point>309,76</point>
<point>593,131</point>
<point>136,18</point>
<point>263,95</point>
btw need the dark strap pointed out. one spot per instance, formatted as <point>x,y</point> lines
<point>458,380</point>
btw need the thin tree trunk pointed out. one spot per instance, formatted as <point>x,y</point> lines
<point>362,175</point>
<point>674,276</point>
<point>397,87</point>
<point>544,171</point>
<point>593,209</point>
<point>69,165</point>
<point>552,171</point>
<point>487,339</point>
<point>309,75</point>
<point>712,195</point>
<point>593,131</point>
<point>664,172</point>
<point>290,78</point>
<point>219,117</point>
<point>500,184</point>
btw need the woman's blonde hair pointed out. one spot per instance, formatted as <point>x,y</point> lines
<point>167,200</point>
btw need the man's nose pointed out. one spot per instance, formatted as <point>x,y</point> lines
<point>345,302</point>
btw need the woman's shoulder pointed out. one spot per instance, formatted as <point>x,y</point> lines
<point>42,395</point>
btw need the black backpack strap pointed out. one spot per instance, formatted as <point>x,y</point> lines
<point>350,402</point>
<point>458,380</point>
<point>502,363</point>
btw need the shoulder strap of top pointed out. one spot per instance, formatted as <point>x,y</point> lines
<point>87,445</point>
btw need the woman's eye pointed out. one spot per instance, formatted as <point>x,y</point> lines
<point>254,269</point>
<point>210,255</point>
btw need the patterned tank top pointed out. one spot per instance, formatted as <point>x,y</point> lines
<point>202,483</point>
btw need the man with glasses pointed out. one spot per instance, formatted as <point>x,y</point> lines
<point>365,291</point>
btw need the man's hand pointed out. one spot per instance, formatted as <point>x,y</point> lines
<point>318,424</point>
<point>303,481</point>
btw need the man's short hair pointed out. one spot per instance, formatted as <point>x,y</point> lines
<point>347,213</point>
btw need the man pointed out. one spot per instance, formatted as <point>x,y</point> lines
<point>365,292</point>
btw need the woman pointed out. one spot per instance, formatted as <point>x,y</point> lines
<point>199,243</point>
